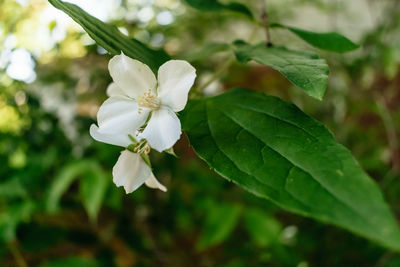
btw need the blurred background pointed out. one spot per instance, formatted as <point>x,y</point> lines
<point>58,205</point>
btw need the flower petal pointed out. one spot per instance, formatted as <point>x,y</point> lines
<point>114,90</point>
<point>175,78</point>
<point>130,171</point>
<point>113,139</point>
<point>132,76</point>
<point>120,115</point>
<point>152,182</point>
<point>162,130</point>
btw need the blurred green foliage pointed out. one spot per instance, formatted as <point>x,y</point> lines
<point>58,205</point>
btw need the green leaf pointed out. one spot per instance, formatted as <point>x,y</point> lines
<point>93,189</point>
<point>206,51</point>
<point>222,219</point>
<point>65,177</point>
<point>111,39</point>
<point>214,5</point>
<point>93,186</point>
<point>304,69</point>
<point>263,228</point>
<point>275,151</point>
<point>330,41</point>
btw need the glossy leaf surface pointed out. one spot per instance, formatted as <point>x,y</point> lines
<point>275,151</point>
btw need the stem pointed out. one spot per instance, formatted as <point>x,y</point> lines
<point>229,61</point>
<point>264,18</point>
<point>390,131</point>
<point>218,73</point>
<point>17,254</point>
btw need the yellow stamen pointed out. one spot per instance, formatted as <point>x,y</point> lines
<point>142,147</point>
<point>148,100</point>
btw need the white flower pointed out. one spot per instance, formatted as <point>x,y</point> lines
<point>136,99</point>
<point>131,171</point>
<point>140,107</point>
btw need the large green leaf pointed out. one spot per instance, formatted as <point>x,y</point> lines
<point>111,39</point>
<point>214,5</point>
<point>274,150</point>
<point>330,41</point>
<point>304,69</point>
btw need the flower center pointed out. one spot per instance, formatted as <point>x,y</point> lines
<point>142,147</point>
<point>148,100</point>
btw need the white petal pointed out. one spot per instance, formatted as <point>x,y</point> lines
<point>162,130</point>
<point>152,182</point>
<point>175,78</point>
<point>132,76</point>
<point>120,115</point>
<point>114,90</point>
<point>113,139</point>
<point>130,171</point>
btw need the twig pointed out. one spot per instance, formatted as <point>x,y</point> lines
<point>229,61</point>
<point>390,131</point>
<point>264,18</point>
<point>218,73</point>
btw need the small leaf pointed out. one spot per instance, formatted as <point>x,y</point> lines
<point>214,5</point>
<point>330,41</point>
<point>111,39</point>
<point>92,187</point>
<point>222,219</point>
<point>275,151</point>
<point>263,228</point>
<point>304,69</point>
<point>207,50</point>
<point>61,183</point>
